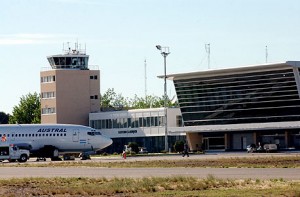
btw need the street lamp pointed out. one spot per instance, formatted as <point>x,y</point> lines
<point>164,51</point>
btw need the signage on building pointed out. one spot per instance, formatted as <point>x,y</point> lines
<point>129,131</point>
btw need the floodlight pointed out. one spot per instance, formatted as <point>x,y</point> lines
<point>158,47</point>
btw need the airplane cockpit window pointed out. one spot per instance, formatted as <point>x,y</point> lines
<point>94,132</point>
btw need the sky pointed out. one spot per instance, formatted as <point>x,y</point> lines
<point>120,35</point>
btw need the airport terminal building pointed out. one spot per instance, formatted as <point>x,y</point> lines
<point>230,108</point>
<point>143,126</point>
<point>224,109</point>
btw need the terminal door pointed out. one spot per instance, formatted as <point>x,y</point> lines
<point>214,143</point>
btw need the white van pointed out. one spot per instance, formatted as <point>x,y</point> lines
<point>12,153</point>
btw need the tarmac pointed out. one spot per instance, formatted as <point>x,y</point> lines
<point>11,171</point>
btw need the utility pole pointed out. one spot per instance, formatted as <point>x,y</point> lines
<point>164,51</point>
<point>207,48</point>
<point>145,65</point>
<point>266,54</point>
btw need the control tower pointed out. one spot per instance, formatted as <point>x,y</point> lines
<point>71,59</point>
<point>70,89</point>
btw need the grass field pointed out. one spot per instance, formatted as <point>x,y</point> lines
<point>238,162</point>
<point>172,186</point>
<point>175,186</point>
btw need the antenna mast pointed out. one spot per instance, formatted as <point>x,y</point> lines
<point>145,64</point>
<point>207,48</point>
<point>266,54</point>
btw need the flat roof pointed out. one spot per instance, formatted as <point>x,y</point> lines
<point>235,70</point>
<point>238,127</point>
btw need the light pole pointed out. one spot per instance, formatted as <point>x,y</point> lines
<point>164,51</point>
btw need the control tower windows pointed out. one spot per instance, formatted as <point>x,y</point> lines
<point>77,61</point>
<point>74,61</point>
<point>48,110</point>
<point>94,77</point>
<point>68,60</point>
<point>48,95</point>
<point>51,61</point>
<point>47,79</point>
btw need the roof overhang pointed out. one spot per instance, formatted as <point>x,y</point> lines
<point>237,127</point>
<point>235,70</point>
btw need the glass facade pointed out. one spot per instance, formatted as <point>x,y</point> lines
<point>249,97</point>
<point>153,144</point>
<point>67,61</point>
<point>127,122</point>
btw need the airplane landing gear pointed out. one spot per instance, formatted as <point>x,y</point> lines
<point>85,156</point>
<point>41,159</point>
<point>56,159</point>
<point>48,151</point>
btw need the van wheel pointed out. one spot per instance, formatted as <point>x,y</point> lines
<point>23,158</point>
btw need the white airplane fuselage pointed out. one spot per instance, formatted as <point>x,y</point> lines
<point>66,138</point>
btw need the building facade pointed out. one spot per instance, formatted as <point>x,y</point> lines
<point>70,90</point>
<point>230,108</point>
<point>143,126</point>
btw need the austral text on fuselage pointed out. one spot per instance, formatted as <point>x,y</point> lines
<point>56,130</point>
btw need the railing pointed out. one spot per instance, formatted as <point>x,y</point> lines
<point>90,67</point>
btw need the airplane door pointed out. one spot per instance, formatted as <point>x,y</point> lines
<point>13,136</point>
<point>75,135</point>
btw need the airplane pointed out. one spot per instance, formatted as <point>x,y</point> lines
<point>48,140</point>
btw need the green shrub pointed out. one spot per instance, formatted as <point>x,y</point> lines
<point>134,147</point>
<point>178,146</point>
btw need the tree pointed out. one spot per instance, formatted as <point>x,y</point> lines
<point>178,146</point>
<point>110,99</point>
<point>28,111</point>
<point>4,118</point>
<point>107,97</point>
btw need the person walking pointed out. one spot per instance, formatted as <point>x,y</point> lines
<point>185,150</point>
<point>124,154</point>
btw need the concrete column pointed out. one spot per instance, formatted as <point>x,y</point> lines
<point>227,138</point>
<point>254,137</point>
<point>286,137</point>
<point>194,140</point>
